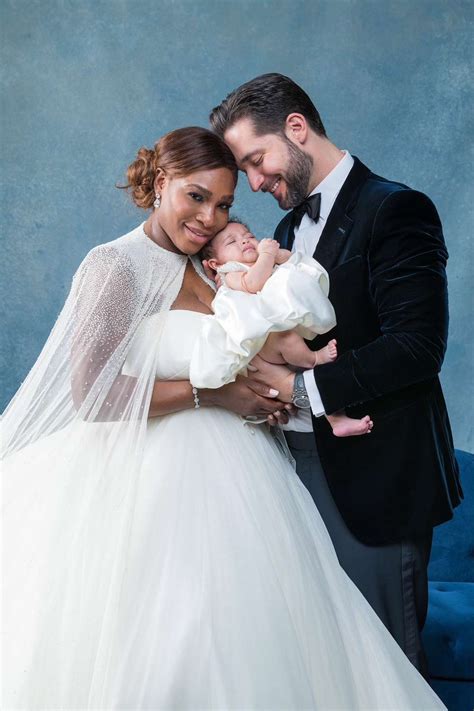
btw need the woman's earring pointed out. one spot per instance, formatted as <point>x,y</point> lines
<point>157,202</point>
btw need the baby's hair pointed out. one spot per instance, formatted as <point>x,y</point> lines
<point>207,252</point>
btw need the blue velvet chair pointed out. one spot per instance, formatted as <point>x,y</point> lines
<point>449,630</point>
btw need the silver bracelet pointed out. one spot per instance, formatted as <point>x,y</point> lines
<point>197,404</point>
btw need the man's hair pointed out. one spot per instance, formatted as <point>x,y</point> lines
<point>207,252</point>
<point>267,100</point>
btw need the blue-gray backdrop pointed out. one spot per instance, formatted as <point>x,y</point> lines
<point>87,82</point>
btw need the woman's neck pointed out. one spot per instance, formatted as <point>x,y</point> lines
<point>156,233</point>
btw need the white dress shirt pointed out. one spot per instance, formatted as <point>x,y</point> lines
<point>306,239</point>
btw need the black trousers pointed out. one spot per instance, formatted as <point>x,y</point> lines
<point>393,578</point>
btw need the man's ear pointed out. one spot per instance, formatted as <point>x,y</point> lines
<point>159,181</point>
<point>296,128</point>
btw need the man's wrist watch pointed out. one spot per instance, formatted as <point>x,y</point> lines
<point>299,397</point>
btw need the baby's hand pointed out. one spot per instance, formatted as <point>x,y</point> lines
<point>268,246</point>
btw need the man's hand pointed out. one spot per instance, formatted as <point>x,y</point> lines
<point>279,377</point>
<point>245,396</point>
<point>283,256</point>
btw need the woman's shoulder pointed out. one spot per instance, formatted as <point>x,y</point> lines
<point>123,253</point>
<point>123,245</point>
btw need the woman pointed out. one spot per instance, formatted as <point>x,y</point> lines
<point>158,553</point>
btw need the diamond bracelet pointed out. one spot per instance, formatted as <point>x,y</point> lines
<point>197,404</point>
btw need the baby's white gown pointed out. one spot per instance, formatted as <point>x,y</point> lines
<point>231,595</point>
<point>294,297</point>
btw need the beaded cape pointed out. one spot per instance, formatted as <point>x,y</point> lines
<point>78,374</point>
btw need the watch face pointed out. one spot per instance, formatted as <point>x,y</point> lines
<point>300,396</point>
<point>301,401</point>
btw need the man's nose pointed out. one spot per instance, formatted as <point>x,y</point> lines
<point>255,179</point>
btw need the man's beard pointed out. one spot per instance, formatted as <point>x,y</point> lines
<point>298,174</point>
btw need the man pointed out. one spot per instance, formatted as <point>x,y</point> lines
<point>380,494</point>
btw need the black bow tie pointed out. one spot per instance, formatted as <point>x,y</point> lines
<point>311,206</point>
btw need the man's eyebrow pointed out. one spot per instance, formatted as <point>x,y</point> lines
<point>207,192</point>
<point>247,157</point>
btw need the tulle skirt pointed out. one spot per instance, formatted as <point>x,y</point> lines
<point>204,580</point>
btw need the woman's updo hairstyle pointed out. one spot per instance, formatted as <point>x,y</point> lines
<point>178,153</point>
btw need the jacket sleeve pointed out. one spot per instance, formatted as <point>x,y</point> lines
<point>407,284</point>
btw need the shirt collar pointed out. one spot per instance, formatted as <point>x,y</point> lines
<point>332,183</point>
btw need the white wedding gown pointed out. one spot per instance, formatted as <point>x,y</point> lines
<point>231,595</point>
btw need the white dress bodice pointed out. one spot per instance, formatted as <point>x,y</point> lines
<point>169,337</point>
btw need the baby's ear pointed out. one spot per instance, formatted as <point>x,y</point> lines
<point>213,264</point>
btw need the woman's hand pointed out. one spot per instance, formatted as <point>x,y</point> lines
<point>281,417</point>
<point>278,377</point>
<point>246,396</point>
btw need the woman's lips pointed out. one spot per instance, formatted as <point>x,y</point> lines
<point>198,235</point>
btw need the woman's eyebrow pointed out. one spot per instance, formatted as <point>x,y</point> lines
<point>199,187</point>
<point>207,192</point>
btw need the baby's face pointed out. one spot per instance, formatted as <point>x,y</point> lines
<point>234,244</point>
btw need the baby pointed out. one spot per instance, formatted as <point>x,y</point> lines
<point>245,264</point>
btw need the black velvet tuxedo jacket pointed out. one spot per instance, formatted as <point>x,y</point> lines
<point>384,250</point>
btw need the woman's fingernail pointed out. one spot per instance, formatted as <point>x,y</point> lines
<point>273,393</point>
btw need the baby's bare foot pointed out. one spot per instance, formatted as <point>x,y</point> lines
<point>343,426</point>
<point>327,354</point>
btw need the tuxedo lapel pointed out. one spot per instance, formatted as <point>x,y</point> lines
<point>333,238</point>
<point>339,223</point>
<point>285,233</point>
